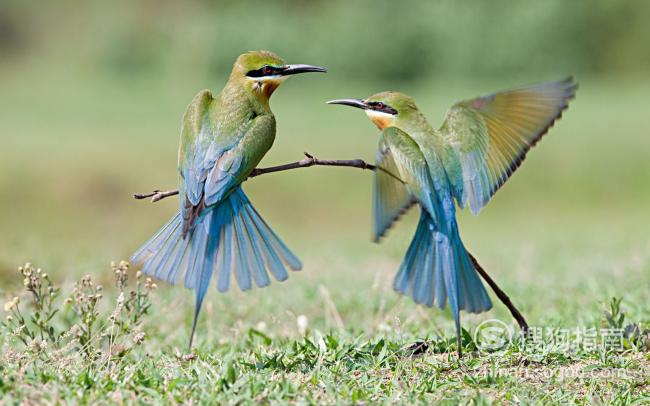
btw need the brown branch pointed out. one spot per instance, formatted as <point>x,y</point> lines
<point>310,160</point>
<point>156,195</point>
<point>501,295</point>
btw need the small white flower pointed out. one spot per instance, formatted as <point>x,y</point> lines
<point>11,304</point>
<point>138,338</point>
<point>302,322</point>
<point>261,326</point>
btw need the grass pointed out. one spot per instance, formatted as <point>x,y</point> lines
<point>566,235</point>
<point>129,349</point>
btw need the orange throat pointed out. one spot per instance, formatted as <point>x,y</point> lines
<point>381,120</point>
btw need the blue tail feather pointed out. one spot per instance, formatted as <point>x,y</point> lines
<point>404,275</point>
<point>437,269</point>
<point>255,264</point>
<point>474,297</point>
<point>256,243</point>
<point>275,242</point>
<point>225,255</point>
<point>271,258</point>
<point>181,257</point>
<point>426,289</point>
<point>420,258</point>
<point>212,221</point>
<point>157,261</point>
<point>227,238</point>
<point>179,254</point>
<point>242,270</point>
<point>440,293</point>
<point>153,244</point>
<point>197,253</point>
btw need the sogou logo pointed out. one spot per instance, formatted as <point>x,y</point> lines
<point>492,335</point>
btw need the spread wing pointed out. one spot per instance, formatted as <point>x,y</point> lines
<point>487,138</point>
<point>401,179</point>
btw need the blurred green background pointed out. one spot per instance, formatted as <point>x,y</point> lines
<point>92,93</point>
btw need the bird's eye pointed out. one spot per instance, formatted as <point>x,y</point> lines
<point>266,70</point>
<point>380,106</point>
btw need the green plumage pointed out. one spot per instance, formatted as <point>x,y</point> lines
<point>217,230</point>
<point>480,144</point>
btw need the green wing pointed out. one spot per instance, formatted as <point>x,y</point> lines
<point>401,179</point>
<point>213,160</point>
<point>196,135</point>
<point>487,138</point>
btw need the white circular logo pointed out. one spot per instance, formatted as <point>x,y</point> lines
<point>492,335</point>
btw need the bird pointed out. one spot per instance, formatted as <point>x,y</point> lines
<point>217,230</point>
<point>480,144</point>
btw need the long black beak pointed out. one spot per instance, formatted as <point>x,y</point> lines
<point>300,68</point>
<point>358,103</point>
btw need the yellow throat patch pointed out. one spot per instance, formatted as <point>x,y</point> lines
<point>267,85</point>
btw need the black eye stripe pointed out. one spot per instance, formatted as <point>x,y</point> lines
<point>382,107</point>
<point>265,70</point>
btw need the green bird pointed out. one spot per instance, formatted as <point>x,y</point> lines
<point>478,147</point>
<point>217,230</point>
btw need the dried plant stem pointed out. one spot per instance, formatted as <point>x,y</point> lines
<point>501,295</point>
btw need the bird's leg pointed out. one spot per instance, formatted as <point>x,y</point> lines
<point>459,340</point>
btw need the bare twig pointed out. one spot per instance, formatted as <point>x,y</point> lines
<point>306,162</point>
<point>156,195</point>
<point>310,160</point>
<point>501,295</point>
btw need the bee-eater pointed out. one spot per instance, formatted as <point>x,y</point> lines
<point>223,138</point>
<point>480,144</point>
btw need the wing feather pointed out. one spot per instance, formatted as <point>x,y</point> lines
<point>491,135</point>
<point>401,180</point>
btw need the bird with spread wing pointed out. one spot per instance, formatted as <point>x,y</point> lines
<point>217,230</point>
<point>478,147</point>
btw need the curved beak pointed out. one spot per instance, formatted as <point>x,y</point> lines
<point>358,103</point>
<point>300,68</point>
